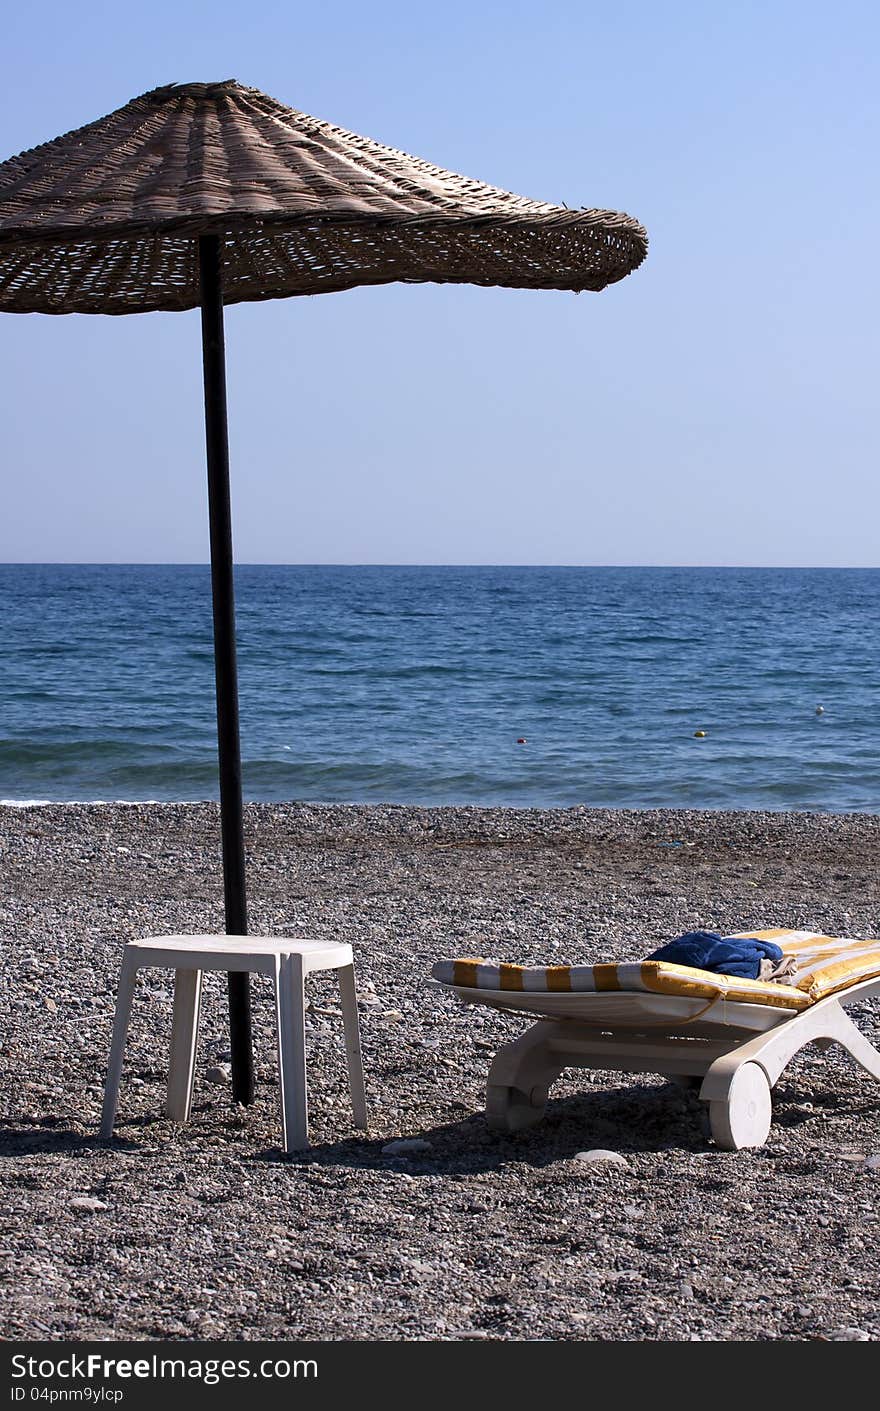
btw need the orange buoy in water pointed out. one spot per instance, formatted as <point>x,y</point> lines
<point>699,734</point>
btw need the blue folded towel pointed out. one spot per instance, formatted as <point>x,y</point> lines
<point>726,955</point>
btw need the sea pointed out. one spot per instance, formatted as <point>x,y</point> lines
<point>710,688</point>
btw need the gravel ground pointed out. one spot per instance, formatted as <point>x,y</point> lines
<point>206,1231</point>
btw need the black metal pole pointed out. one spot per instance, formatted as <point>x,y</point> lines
<point>222,590</point>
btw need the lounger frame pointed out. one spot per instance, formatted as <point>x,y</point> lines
<point>737,1054</point>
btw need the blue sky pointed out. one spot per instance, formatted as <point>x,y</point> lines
<point>717,407</point>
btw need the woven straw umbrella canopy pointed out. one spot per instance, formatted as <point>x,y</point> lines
<point>105,219</point>
<point>205,194</point>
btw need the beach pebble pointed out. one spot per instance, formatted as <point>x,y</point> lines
<point>599,1155</point>
<point>872,1163</point>
<point>849,1335</point>
<point>219,1073</point>
<point>89,1203</point>
<point>406,1146</point>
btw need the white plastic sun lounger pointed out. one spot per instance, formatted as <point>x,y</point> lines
<point>732,1036</point>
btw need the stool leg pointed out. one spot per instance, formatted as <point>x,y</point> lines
<point>348,1000</point>
<point>292,1051</point>
<point>184,1039</point>
<point>124,996</point>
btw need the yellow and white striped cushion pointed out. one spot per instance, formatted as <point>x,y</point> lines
<point>825,964</point>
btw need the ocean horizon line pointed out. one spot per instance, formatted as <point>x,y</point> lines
<point>489,565</point>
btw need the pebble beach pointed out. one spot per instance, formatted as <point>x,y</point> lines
<point>208,1232</point>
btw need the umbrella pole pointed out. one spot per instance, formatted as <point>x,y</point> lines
<point>222,591</point>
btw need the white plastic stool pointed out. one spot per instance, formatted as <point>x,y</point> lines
<point>288,961</point>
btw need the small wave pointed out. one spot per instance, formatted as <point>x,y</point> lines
<point>91,803</point>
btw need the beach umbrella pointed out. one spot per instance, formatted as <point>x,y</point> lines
<point>203,194</point>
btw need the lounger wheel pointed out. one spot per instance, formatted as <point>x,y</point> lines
<point>511,1110</point>
<point>743,1117</point>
